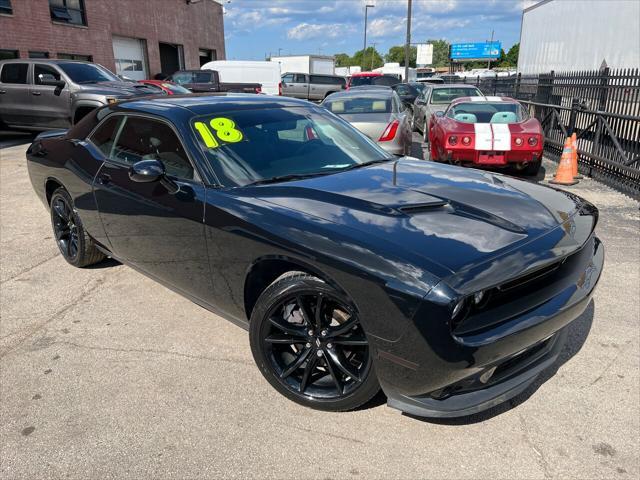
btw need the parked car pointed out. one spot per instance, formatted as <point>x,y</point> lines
<point>408,92</point>
<point>450,288</point>
<point>372,78</point>
<point>42,94</point>
<point>209,81</point>
<point>492,132</point>
<point>267,74</point>
<point>378,113</point>
<point>448,77</point>
<point>311,87</point>
<point>436,98</point>
<point>166,87</point>
<point>432,80</point>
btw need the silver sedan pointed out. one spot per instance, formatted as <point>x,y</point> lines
<point>378,113</point>
<point>436,98</point>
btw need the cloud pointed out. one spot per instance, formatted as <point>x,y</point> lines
<point>305,31</point>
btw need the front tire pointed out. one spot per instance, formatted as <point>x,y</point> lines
<point>76,246</point>
<point>307,341</point>
<point>532,169</point>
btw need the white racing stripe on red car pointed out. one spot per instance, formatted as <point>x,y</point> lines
<point>484,137</point>
<point>501,137</point>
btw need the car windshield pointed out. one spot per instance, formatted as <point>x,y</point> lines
<point>384,80</point>
<point>173,88</point>
<point>488,112</point>
<point>361,104</point>
<point>252,146</point>
<point>447,95</point>
<point>87,73</point>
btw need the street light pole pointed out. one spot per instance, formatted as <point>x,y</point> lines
<point>490,45</point>
<point>366,9</point>
<point>407,45</point>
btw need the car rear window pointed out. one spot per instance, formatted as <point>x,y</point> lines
<point>14,73</point>
<point>488,112</point>
<point>448,95</point>
<point>353,105</point>
<point>384,80</point>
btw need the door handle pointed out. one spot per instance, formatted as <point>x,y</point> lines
<point>36,93</point>
<point>2,91</point>
<point>104,178</point>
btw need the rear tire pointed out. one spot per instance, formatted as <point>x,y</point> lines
<point>308,343</point>
<point>433,153</point>
<point>532,169</point>
<point>75,244</point>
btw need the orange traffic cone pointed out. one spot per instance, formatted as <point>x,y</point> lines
<point>564,175</point>
<point>574,156</point>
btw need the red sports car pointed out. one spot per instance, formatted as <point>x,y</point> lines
<point>487,132</point>
<point>169,88</point>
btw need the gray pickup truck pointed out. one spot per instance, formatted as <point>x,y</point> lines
<point>311,86</point>
<point>42,94</point>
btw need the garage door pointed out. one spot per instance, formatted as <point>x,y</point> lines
<point>130,58</point>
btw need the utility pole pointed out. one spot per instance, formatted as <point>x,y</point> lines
<point>366,9</point>
<point>407,45</point>
<point>490,45</point>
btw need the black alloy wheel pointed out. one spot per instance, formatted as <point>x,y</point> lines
<point>74,243</point>
<point>310,345</point>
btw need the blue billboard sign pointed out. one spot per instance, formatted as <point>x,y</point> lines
<point>475,51</point>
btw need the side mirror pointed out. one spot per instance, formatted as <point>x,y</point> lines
<point>50,80</point>
<point>439,114</point>
<point>148,171</point>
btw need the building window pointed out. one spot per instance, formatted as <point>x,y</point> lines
<point>73,56</point>
<point>7,54</point>
<point>68,11</point>
<point>5,7</point>
<point>207,55</point>
<point>38,54</point>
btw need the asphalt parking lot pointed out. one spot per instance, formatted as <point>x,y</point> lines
<point>106,374</point>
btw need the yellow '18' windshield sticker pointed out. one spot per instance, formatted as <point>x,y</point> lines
<point>223,128</point>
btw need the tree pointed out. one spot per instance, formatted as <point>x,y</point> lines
<point>367,59</point>
<point>396,55</point>
<point>511,58</point>
<point>343,60</point>
<point>440,53</point>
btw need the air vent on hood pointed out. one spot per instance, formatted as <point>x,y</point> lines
<point>417,208</point>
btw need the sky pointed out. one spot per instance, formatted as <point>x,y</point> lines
<point>255,29</point>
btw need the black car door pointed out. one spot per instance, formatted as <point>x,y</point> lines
<point>148,227</point>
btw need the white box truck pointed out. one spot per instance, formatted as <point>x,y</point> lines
<point>266,74</point>
<point>308,64</point>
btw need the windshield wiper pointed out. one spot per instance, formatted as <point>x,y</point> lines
<point>288,178</point>
<point>366,164</point>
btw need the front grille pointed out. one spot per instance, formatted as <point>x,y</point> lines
<point>522,281</point>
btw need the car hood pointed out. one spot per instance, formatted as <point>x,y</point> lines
<point>454,217</point>
<point>117,89</point>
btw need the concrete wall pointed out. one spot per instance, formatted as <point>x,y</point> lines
<point>195,26</point>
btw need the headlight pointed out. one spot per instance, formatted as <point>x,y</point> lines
<point>458,308</point>
<point>453,140</point>
<point>478,297</point>
<point>518,141</point>
<point>533,141</point>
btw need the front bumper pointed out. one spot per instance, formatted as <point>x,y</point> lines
<point>434,371</point>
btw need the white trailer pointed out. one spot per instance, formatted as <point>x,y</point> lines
<point>579,35</point>
<point>396,69</point>
<point>306,64</point>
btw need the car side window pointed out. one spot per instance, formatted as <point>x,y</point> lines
<point>147,139</point>
<point>300,78</point>
<point>105,135</point>
<point>41,69</point>
<point>288,78</point>
<point>402,90</point>
<point>15,73</point>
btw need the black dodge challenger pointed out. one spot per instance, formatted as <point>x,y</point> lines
<point>451,289</point>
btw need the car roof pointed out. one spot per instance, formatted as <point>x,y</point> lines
<point>437,86</point>
<point>43,60</point>
<point>206,103</point>
<point>381,93</point>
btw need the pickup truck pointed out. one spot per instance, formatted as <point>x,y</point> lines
<point>209,81</point>
<point>311,87</point>
<point>45,94</point>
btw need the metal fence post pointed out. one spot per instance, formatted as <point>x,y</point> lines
<point>575,105</point>
<point>604,90</point>
<point>495,84</point>
<point>517,89</point>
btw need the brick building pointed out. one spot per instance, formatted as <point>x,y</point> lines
<point>134,38</point>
